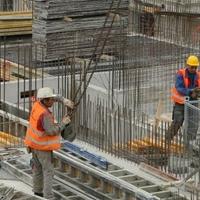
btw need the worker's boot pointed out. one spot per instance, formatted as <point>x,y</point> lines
<point>38,194</point>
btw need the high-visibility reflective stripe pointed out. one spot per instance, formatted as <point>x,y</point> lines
<point>48,142</point>
<point>38,133</point>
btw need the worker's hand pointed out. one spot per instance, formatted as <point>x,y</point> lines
<point>68,103</point>
<point>196,90</point>
<point>195,93</point>
<point>66,119</point>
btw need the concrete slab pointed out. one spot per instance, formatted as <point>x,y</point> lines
<point>17,185</point>
<point>11,181</point>
<point>5,176</point>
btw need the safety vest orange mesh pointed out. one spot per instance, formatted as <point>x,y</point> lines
<point>176,96</point>
<point>35,135</point>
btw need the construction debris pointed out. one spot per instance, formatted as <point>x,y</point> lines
<point>9,193</point>
<point>8,153</point>
<point>154,145</point>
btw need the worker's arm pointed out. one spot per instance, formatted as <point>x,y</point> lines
<point>50,127</point>
<point>65,101</point>
<point>180,86</point>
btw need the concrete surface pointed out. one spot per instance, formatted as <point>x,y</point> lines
<point>10,181</point>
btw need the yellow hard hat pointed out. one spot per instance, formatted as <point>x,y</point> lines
<point>193,61</point>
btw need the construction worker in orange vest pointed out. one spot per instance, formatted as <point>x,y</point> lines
<point>187,85</point>
<point>42,137</point>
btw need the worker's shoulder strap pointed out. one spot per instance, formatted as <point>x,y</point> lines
<point>198,78</point>
<point>182,72</point>
<point>198,74</point>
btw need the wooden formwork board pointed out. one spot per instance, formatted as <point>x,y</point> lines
<point>9,70</point>
<point>19,13</point>
<point>15,23</point>
<point>149,147</point>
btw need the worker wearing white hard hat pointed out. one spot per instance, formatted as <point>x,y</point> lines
<point>42,137</point>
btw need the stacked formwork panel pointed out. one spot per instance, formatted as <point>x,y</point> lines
<point>71,28</point>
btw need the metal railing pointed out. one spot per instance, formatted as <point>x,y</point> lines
<point>191,139</point>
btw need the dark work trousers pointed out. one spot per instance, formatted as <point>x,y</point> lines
<point>177,122</point>
<point>43,171</point>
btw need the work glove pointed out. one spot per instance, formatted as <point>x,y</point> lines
<point>66,119</point>
<point>68,103</point>
<point>195,93</point>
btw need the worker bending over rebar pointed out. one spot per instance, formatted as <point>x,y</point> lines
<point>42,137</point>
<point>187,85</point>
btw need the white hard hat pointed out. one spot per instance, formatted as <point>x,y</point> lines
<point>45,92</point>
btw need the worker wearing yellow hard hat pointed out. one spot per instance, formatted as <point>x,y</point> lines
<point>187,84</point>
<point>193,61</point>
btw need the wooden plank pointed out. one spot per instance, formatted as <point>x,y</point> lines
<point>15,23</point>
<point>15,68</point>
<point>20,32</point>
<point>19,13</point>
<point>15,17</point>
<point>15,29</point>
<point>5,71</point>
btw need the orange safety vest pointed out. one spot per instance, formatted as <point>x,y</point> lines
<point>176,96</point>
<point>35,135</point>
